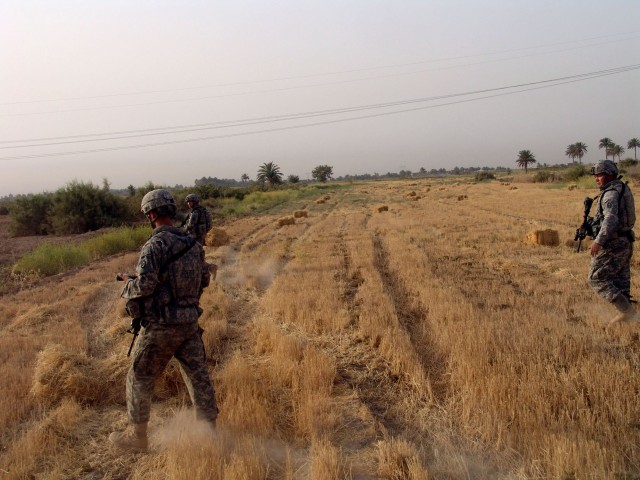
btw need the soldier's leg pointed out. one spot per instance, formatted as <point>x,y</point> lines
<point>151,355</point>
<point>150,358</point>
<point>193,366</point>
<point>604,274</point>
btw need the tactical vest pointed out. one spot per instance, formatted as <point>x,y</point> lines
<point>626,208</point>
<point>179,278</point>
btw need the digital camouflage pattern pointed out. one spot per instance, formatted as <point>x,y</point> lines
<point>610,271</point>
<point>198,223</point>
<point>157,344</point>
<point>171,275</point>
<point>171,290</point>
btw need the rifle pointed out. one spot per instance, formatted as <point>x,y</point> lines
<point>135,320</point>
<point>586,228</point>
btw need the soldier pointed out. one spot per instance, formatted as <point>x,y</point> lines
<point>610,271</point>
<point>198,223</point>
<point>164,297</point>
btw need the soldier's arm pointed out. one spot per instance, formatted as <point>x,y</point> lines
<point>148,269</point>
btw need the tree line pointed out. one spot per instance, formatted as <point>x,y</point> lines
<point>579,149</point>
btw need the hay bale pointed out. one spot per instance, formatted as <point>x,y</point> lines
<point>383,208</point>
<point>300,214</point>
<point>546,237</point>
<point>216,237</point>
<point>286,221</point>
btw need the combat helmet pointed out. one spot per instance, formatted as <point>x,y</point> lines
<point>192,197</point>
<point>607,167</point>
<point>160,200</point>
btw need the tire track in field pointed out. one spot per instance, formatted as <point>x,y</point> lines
<point>363,370</point>
<point>414,320</point>
<point>358,366</point>
<point>244,301</point>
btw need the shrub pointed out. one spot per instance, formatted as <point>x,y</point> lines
<point>82,207</point>
<point>573,174</point>
<point>545,176</point>
<point>30,215</point>
<point>484,176</point>
<point>4,210</point>
<point>628,163</point>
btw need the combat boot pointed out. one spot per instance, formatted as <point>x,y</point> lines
<point>135,441</point>
<point>626,312</point>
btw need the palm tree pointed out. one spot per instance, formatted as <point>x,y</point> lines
<point>634,143</point>
<point>616,150</point>
<point>606,143</point>
<point>580,149</point>
<point>525,157</point>
<point>244,178</point>
<point>269,173</point>
<point>571,152</point>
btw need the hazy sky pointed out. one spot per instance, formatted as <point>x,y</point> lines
<point>217,88</point>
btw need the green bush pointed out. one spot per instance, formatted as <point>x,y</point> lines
<point>484,176</point>
<point>544,177</point>
<point>30,215</point>
<point>574,173</point>
<point>628,163</point>
<point>83,207</point>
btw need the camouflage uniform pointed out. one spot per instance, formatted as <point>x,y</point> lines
<point>170,280</point>
<point>196,223</point>
<point>610,271</point>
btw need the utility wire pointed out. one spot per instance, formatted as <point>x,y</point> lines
<point>61,140</point>
<point>578,78</point>
<point>298,87</point>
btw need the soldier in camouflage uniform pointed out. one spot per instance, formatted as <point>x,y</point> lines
<point>164,296</point>
<point>196,223</point>
<point>610,271</point>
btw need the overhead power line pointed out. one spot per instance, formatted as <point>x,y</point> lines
<point>126,134</point>
<point>530,86</point>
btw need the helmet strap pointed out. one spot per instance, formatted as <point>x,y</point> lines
<point>152,216</point>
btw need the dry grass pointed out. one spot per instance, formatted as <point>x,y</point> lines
<point>429,342</point>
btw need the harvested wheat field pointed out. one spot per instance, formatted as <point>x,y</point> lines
<point>430,341</point>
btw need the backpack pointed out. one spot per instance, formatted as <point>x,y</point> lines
<point>208,219</point>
